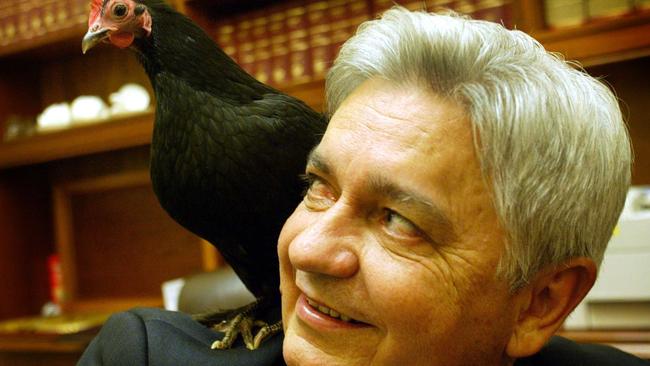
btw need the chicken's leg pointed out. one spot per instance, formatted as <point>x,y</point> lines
<point>240,321</point>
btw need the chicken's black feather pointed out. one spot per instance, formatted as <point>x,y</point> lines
<point>227,150</point>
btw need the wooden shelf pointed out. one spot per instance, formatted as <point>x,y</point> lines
<point>68,343</point>
<point>111,135</point>
<point>112,304</point>
<point>312,93</point>
<point>602,41</point>
<point>48,42</point>
<point>34,349</point>
<point>228,7</point>
<point>118,133</point>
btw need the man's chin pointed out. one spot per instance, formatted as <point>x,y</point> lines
<point>303,348</point>
<point>298,352</point>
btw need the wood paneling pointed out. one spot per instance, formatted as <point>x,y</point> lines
<point>19,91</point>
<point>102,71</point>
<point>116,242</point>
<point>601,41</point>
<point>629,79</point>
<point>111,135</point>
<point>25,241</point>
<point>39,350</point>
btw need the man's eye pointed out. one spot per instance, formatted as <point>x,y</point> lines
<point>318,194</point>
<point>399,226</point>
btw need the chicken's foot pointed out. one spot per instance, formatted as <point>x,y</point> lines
<point>241,321</point>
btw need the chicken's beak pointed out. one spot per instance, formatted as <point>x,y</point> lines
<point>92,38</point>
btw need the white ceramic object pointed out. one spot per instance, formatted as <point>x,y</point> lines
<point>131,98</point>
<point>55,116</point>
<point>88,108</point>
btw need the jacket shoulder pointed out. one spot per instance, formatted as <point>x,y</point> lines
<point>147,336</point>
<point>560,351</point>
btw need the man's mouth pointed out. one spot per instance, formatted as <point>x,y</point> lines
<point>331,312</point>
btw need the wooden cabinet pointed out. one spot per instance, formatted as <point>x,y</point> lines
<point>85,192</point>
<point>615,49</point>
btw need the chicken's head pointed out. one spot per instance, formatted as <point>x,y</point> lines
<point>117,22</point>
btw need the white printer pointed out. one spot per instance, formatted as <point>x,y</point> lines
<point>620,299</point>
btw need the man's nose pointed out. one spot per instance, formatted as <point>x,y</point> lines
<point>329,245</point>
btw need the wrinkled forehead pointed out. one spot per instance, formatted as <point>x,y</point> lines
<point>96,7</point>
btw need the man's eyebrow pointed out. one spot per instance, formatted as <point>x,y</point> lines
<point>415,201</point>
<point>318,161</point>
<point>378,184</point>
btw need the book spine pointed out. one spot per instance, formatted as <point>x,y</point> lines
<point>337,14</point>
<point>280,60</point>
<point>82,9</point>
<point>564,13</point>
<point>224,35</point>
<point>319,33</point>
<point>498,11</point>
<point>24,30</point>
<point>257,35</point>
<point>296,43</point>
<point>35,16</point>
<point>608,8</point>
<point>62,14</point>
<point>243,35</point>
<point>438,5</point>
<point>8,12</point>
<point>48,16</point>
<point>299,58</point>
<point>346,17</point>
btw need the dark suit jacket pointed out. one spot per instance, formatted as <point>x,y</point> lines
<point>156,337</point>
<point>148,336</point>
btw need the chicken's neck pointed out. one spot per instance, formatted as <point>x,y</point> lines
<point>179,47</point>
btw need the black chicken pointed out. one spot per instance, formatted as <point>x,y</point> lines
<point>226,152</point>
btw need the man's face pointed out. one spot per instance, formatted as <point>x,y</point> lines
<point>397,233</point>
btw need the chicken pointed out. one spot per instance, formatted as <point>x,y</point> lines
<point>227,151</point>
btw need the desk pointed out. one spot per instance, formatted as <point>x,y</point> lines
<point>50,350</point>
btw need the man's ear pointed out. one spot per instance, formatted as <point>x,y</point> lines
<point>546,301</point>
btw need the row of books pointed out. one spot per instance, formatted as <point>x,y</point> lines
<point>297,42</point>
<point>568,13</point>
<point>22,20</point>
<point>290,42</point>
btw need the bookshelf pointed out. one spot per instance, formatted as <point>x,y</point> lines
<point>41,175</point>
<point>114,134</point>
<point>602,41</point>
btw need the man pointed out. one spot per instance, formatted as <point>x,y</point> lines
<point>457,209</point>
<point>459,202</point>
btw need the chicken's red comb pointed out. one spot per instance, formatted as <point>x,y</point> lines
<point>95,10</point>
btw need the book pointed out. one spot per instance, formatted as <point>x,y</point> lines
<point>564,13</point>
<point>608,8</point>
<point>299,57</point>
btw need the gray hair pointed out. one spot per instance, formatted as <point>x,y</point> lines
<point>550,139</point>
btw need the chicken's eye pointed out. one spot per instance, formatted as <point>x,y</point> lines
<point>120,10</point>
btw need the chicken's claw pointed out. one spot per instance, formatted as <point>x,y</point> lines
<point>241,321</point>
<point>245,324</point>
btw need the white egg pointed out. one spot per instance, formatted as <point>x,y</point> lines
<point>129,99</point>
<point>55,116</point>
<point>88,108</point>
